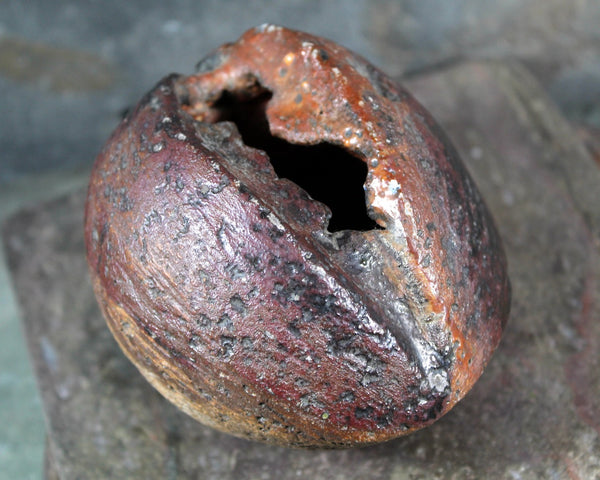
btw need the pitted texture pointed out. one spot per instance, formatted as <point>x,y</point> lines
<point>223,285</point>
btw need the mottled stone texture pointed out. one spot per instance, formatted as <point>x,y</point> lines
<point>533,414</point>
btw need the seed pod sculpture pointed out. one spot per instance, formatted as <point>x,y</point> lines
<point>235,293</point>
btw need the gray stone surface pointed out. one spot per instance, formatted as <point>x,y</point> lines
<point>558,40</point>
<point>21,420</point>
<point>534,413</point>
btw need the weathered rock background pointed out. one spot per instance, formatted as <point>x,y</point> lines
<point>69,69</point>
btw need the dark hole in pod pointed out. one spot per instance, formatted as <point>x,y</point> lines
<point>328,173</point>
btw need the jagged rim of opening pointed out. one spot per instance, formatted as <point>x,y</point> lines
<point>345,196</point>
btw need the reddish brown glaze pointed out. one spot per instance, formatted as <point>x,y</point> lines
<point>223,285</point>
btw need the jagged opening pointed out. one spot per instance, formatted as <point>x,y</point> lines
<point>328,173</point>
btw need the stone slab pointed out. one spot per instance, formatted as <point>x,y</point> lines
<point>534,413</point>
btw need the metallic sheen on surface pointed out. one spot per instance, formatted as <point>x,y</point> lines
<point>223,285</point>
